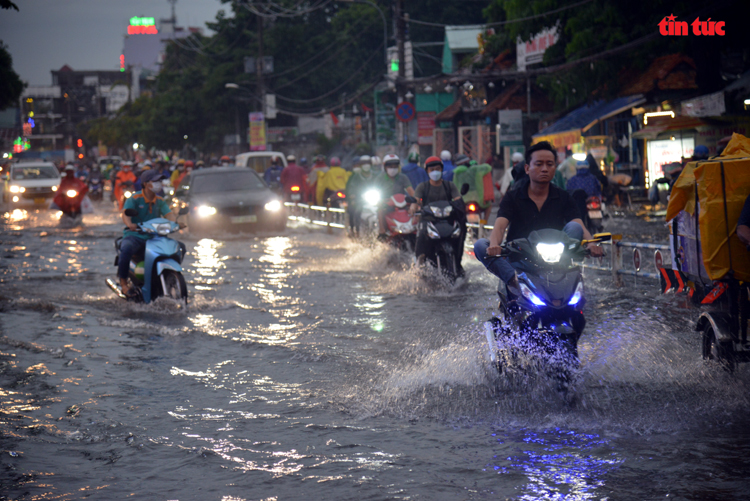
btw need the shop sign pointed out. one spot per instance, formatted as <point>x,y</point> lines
<point>532,52</point>
<point>257,138</point>
<point>425,126</point>
<point>510,127</point>
<point>666,152</point>
<point>710,105</point>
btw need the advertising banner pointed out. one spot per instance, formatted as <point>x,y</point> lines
<point>510,127</point>
<point>257,134</point>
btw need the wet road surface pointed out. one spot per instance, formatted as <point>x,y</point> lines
<point>307,366</point>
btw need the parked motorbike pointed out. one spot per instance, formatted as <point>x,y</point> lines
<point>540,322</point>
<point>440,222</point>
<point>158,272</point>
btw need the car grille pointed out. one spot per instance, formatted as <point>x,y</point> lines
<point>238,211</point>
<point>37,192</point>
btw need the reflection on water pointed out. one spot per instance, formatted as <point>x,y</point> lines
<point>207,264</point>
<point>560,464</point>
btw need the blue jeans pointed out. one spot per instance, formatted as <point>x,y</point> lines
<point>129,247</point>
<point>500,266</point>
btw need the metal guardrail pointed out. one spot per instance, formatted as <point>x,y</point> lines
<point>333,217</point>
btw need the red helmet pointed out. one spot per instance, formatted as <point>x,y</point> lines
<point>335,162</point>
<point>432,162</point>
<point>189,163</point>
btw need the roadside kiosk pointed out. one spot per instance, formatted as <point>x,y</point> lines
<point>707,256</point>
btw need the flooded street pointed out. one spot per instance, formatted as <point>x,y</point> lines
<point>307,366</point>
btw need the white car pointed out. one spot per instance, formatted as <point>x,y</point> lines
<point>259,161</point>
<point>31,182</point>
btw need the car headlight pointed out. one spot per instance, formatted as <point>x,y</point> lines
<point>577,295</point>
<point>550,253</point>
<point>17,189</point>
<point>54,188</point>
<point>273,206</point>
<point>530,295</point>
<point>71,193</point>
<point>205,211</point>
<point>371,197</point>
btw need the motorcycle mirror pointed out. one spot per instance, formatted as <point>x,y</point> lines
<point>603,237</point>
<point>465,188</point>
<point>131,212</point>
<point>183,211</point>
<point>410,199</point>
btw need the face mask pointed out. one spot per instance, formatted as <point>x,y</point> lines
<point>366,168</point>
<point>435,175</point>
<point>392,171</point>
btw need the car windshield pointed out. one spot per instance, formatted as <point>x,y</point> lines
<point>227,181</point>
<point>37,172</point>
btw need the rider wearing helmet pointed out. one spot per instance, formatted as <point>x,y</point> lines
<point>518,164</point>
<point>318,168</point>
<point>391,182</point>
<point>448,166</point>
<point>292,175</point>
<point>436,189</point>
<point>356,186</point>
<point>412,170</point>
<point>273,172</point>
<point>332,181</point>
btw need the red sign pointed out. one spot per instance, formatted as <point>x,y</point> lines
<point>658,260</point>
<point>142,30</point>
<point>425,126</point>
<point>637,259</point>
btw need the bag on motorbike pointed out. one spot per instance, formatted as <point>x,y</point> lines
<point>86,206</point>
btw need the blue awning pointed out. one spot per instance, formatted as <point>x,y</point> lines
<point>582,119</point>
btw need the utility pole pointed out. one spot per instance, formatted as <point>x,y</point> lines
<point>259,67</point>
<point>400,38</point>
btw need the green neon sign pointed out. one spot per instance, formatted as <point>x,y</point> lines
<point>142,21</point>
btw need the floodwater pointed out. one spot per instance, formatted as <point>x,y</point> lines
<point>307,366</point>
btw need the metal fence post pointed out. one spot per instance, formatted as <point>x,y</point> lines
<point>328,217</point>
<point>616,260</point>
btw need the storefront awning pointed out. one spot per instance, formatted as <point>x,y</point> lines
<point>569,128</point>
<point>658,125</point>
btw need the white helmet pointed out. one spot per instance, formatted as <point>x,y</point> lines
<point>391,158</point>
<point>291,158</point>
<point>518,157</point>
<point>375,160</point>
<point>445,155</point>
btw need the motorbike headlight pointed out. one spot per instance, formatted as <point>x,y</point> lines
<point>71,193</point>
<point>577,295</point>
<point>530,295</point>
<point>447,211</point>
<point>273,206</point>
<point>372,197</point>
<point>128,194</point>
<point>205,211</point>
<point>432,231</point>
<point>163,228</point>
<point>550,253</point>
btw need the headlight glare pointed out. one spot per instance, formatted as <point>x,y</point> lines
<point>205,211</point>
<point>550,253</point>
<point>372,197</point>
<point>273,206</point>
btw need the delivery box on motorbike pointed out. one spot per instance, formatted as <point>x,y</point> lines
<point>722,184</point>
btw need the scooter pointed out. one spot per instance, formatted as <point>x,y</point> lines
<point>540,322</point>
<point>401,227</point>
<point>96,189</point>
<point>295,194</point>
<point>594,208</point>
<point>335,199</point>
<point>439,221</point>
<point>158,272</point>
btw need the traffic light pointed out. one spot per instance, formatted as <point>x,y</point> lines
<point>80,143</point>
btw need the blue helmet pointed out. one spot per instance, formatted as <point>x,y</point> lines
<point>700,151</point>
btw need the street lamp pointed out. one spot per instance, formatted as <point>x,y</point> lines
<point>237,139</point>
<point>385,27</point>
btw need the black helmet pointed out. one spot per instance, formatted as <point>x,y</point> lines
<point>462,159</point>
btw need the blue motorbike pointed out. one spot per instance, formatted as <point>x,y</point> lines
<point>158,271</point>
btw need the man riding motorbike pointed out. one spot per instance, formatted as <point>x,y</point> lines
<point>435,190</point>
<point>124,175</point>
<point>331,182</point>
<point>292,176</point>
<point>448,166</point>
<point>70,205</point>
<point>177,173</point>
<point>149,206</point>
<point>356,186</point>
<point>583,186</point>
<point>390,182</point>
<point>413,171</point>
<point>273,172</point>
<point>534,204</point>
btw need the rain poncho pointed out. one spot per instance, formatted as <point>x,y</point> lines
<point>474,176</point>
<point>334,180</point>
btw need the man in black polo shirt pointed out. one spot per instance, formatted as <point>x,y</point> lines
<point>534,204</point>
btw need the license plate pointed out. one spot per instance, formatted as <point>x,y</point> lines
<point>40,200</point>
<point>244,219</point>
<point>595,214</point>
<point>296,198</point>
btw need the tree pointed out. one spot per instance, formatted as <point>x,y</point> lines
<point>11,85</point>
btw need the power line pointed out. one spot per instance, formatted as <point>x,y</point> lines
<point>501,23</point>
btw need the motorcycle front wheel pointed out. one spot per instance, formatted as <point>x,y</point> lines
<point>175,285</point>
<point>446,262</point>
